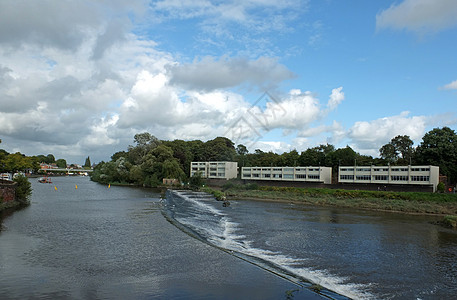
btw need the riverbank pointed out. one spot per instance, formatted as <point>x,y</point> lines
<point>13,205</point>
<point>400,202</point>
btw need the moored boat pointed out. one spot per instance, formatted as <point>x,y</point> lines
<point>45,180</point>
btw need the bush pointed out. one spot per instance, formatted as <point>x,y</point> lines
<point>440,187</point>
<point>23,188</point>
<point>196,181</point>
<point>450,221</point>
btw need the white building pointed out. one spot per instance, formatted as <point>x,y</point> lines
<point>419,175</point>
<point>215,169</point>
<point>304,174</point>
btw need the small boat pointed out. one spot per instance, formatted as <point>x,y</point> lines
<point>45,180</point>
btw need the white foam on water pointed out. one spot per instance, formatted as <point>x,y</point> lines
<point>224,234</point>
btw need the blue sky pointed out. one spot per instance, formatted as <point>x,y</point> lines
<point>80,78</point>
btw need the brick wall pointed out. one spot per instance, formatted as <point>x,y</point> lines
<point>7,190</point>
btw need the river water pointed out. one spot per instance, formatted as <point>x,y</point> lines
<point>87,241</point>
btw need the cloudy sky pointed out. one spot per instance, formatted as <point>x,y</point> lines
<point>80,78</point>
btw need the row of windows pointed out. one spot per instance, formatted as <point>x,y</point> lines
<point>385,178</point>
<point>420,178</point>
<point>420,169</point>
<point>386,169</point>
<point>286,176</point>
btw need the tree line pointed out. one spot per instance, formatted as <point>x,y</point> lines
<point>18,162</point>
<point>150,160</point>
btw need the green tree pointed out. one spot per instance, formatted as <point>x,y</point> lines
<point>388,153</point>
<point>3,155</point>
<point>219,149</point>
<point>289,159</point>
<point>50,159</point>
<point>399,150</point>
<point>23,188</point>
<point>87,163</point>
<point>196,181</point>
<point>403,145</point>
<point>439,148</point>
<point>145,142</point>
<point>344,157</point>
<point>241,150</point>
<point>61,163</point>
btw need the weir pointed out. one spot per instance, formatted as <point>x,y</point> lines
<point>212,226</point>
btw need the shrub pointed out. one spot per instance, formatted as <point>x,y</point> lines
<point>23,188</point>
<point>450,221</point>
<point>440,187</point>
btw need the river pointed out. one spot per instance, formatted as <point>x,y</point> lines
<point>87,241</point>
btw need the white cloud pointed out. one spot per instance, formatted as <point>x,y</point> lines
<point>273,146</point>
<point>374,134</point>
<point>451,86</point>
<point>297,111</point>
<point>210,74</point>
<point>420,16</point>
<point>336,98</point>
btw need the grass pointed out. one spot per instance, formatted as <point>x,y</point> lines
<point>406,202</point>
<point>450,221</point>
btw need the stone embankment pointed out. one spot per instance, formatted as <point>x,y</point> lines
<point>7,194</point>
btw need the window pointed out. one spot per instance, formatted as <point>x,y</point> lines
<point>420,178</point>
<point>288,169</point>
<point>300,176</point>
<point>420,169</point>
<point>346,177</point>
<point>277,175</point>
<point>347,169</point>
<point>255,175</point>
<point>363,177</point>
<point>400,169</point>
<point>277,169</point>
<point>398,178</point>
<point>313,177</point>
<point>247,169</point>
<point>381,177</point>
<point>288,176</point>
<point>381,169</point>
<point>246,175</point>
<point>266,175</point>
<point>363,169</point>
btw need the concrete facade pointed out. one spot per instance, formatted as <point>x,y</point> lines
<point>215,169</point>
<point>300,174</point>
<point>404,175</point>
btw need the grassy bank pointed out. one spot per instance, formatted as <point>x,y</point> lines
<point>405,202</point>
<point>12,205</point>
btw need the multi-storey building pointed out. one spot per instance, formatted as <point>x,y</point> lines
<point>306,174</point>
<point>418,175</point>
<point>215,169</point>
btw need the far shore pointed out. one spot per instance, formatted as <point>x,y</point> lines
<point>394,202</point>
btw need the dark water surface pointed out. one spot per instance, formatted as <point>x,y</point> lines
<point>98,243</point>
<point>124,243</point>
<point>363,255</point>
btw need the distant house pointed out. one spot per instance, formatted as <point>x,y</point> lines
<point>170,181</point>
<point>301,174</point>
<point>44,166</point>
<point>215,169</point>
<point>405,175</point>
